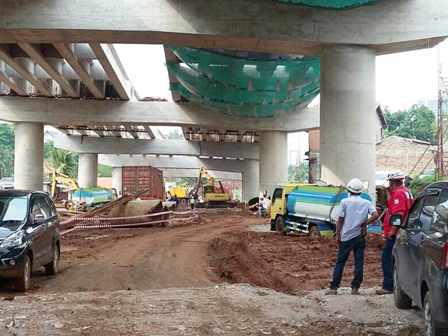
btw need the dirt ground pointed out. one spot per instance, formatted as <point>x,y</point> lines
<point>169,281</point>
<point>289,264</point>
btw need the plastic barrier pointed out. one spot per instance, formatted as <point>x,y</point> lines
<point>192,215</point>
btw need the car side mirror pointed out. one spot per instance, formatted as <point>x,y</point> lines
<point>39,219</point>
<point>395,220</point>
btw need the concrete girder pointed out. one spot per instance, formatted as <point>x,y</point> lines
<point>39,58</point>
<point>68,54</point>
<point>171,57</point>
<point>149,132</point>
<point>174,172</point>
<point>63,112</point>
<point>10,81</point>
<point>389,26</point>
<point>109,145</point>
<point>186,162</point>
<point>111,64</point>
<point>23,71</point>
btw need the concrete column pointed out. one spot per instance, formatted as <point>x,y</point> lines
<point>273,160</point>
<point>251,180</point>
<point>117,179</point>
<point>88,170</point>
<point>29,156</point>
<point>347,115</point>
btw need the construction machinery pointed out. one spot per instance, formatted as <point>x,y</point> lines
<point>62,182</point>
<point>79,199</point>
<point>213,197</point>
<point>307,208</point>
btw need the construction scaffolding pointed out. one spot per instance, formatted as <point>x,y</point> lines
<point>442,155</point>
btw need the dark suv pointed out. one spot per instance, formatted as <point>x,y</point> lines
<point>420,262</point>
<point>29,235</point>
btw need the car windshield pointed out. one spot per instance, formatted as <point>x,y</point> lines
<point>13,211</point>
<point>380,176</point>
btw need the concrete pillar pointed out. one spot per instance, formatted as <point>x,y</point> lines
<point>88,170</point>
<point>117,179</point>
<point>251,180</point>
<point>29,156</point>
<point>347,115</point>
<point>273,160</point>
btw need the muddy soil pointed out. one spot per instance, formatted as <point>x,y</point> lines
<point>138,258</point>
<point>289,264</point>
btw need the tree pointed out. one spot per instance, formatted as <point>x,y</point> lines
<point>416,123</point>
<point>65,161</point>
<point>175,134</point>
<point>299,174</point>
<point>6,150</point>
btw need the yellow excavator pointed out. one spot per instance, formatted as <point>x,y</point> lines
<point>66,183</point>
<point>213,197</point>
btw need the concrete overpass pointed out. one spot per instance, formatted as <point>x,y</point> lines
<point>78,32</point>
<point>243,150</point>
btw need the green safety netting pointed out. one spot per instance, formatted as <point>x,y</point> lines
<point>331,4</point>
<point>245,87</point>
<point>216,91</point>
<point>251,74</point>
<point>245,110</point>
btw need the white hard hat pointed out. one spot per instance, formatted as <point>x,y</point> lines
<point>355,186</point>
<point>395,174</point>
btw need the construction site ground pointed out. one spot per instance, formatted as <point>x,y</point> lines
<point>226,275</point>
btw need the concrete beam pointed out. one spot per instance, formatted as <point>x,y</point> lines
<point>12,84</point>
<point>160,162</point>
<point>40,59</point>
<point>254,25</point>
<point>111,145</point>
<point>111,64</point>
<point>149,132</point>
<point>172,173</point>
<point>23,71</point>
<point>68,54</point>
<point>63,112</point>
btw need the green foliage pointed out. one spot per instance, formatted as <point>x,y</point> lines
<point>419,184</point>
<point>104,171</point>
<point>416,123</point>
<point>175,134</point>
<point>299,174</point>
<point>64,161</point>
<point>6,150</point>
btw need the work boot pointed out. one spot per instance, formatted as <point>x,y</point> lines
<point>355,291</point>
<point>383,291</point>
<point>331,292</point>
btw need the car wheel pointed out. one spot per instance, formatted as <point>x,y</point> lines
<point>280,225</point>
<point>314,232</point>
<point>53,267</point>
<point>402,301</point>
<point>431,326</point>
<point>22,283</point>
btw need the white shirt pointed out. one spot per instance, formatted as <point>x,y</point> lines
<point>355,211</point>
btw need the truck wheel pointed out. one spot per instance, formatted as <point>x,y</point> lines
<point>402,301</point>
<point>280,225</point>
<point>22,283</point>
<point>432,328</point>
<point>314,232</point>
<point>53,267</point>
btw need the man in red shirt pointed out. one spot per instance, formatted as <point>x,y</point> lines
<point>399,204</point>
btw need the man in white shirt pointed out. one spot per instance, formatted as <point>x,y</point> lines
<point>353,219</point>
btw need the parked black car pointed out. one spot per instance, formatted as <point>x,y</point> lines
<point>29,235</point>
<point>420,261</point>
